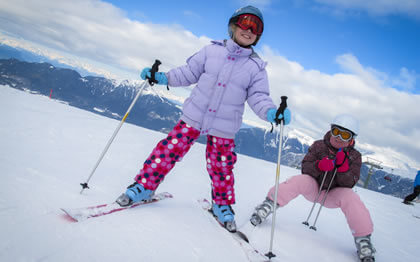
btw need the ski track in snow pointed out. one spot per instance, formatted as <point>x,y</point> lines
<point>48,148</point>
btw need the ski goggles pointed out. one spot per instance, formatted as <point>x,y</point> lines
<point>247,21</point>
<point>344,134</point>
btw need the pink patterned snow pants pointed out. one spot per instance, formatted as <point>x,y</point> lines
<point>220,159</point>
<point>357,215</point>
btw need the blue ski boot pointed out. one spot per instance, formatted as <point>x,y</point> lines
<point>135,193</point>
<point>225,216</point>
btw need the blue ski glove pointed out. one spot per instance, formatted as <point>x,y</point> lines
<point>159,76</point>
<point>271,115</point>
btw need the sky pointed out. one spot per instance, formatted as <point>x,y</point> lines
<point>45,138</point>
<point>328,56</point>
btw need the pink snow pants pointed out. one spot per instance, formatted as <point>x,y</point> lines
<point>220,160</point>
<point>357,215</point>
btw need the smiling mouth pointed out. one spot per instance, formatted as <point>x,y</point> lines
<point>246,36</point>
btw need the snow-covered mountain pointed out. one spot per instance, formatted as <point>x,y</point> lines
<point>110,98</point>
<point>392,162</point>
<point>9,50</point>
<point>48,148</point>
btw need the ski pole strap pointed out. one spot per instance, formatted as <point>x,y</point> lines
<point>155,68</point>
<point>280,110</point>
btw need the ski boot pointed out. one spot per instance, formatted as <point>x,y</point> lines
<point>365,250</point>
<point>408,202</point>
<point>225,216</point>
<point>262,211</point>
<point>135,193</point>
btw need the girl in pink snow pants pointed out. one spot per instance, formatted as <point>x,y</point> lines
<point>357,215</point>
<point>334,154</point>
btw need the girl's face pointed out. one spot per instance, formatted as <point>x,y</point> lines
<point>337,142</point>
<point>244,38</point>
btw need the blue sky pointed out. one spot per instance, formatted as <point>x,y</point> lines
<point>309,32</point>
<point>328,56</point>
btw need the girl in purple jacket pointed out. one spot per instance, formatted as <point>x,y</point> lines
<point>227,74</point>
<point>332,163</point>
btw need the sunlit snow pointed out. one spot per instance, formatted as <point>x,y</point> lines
<point>48,148</point>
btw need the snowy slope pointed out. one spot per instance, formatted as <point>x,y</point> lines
<point>48,148</point>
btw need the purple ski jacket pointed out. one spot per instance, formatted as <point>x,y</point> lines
<point>226,75</point>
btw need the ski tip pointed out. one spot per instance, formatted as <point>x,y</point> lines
<point>204,203</point>
<point>66,216</point>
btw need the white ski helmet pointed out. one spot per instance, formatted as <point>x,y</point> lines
<point>348,122</point>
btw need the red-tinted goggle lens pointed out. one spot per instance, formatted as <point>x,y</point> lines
<point>345,135</point>
<point>247,21</point>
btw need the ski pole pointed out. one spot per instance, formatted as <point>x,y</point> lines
<point>306,223</point>
<point>326,193</point>
<point>323,200</point>
<point>151,82</point>
<point>282,107</point>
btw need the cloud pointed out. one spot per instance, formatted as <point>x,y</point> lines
<point>376,7</point>
<point>97,31</point>
<point>406,80</point>
<point>388,117</point>
<point>191,14</point>
<point>107,36</point>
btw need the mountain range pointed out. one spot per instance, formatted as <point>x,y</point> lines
<point>109,98</point>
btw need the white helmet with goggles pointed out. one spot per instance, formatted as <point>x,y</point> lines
<point>347,122</point>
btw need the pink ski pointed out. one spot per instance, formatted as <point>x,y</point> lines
<point>80,214</point>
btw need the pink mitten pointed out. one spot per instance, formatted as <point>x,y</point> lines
<point>342,162</point>
<point>326,164</point>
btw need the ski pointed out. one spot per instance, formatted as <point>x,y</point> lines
<point>80,214</point>
<point>408,203</point>
<point>251,253</point>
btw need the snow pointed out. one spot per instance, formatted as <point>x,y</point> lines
<point>48,148</point>
<point>99,110</point>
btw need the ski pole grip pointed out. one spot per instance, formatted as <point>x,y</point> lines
<point>280,110</point>
<point>155,68</point>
